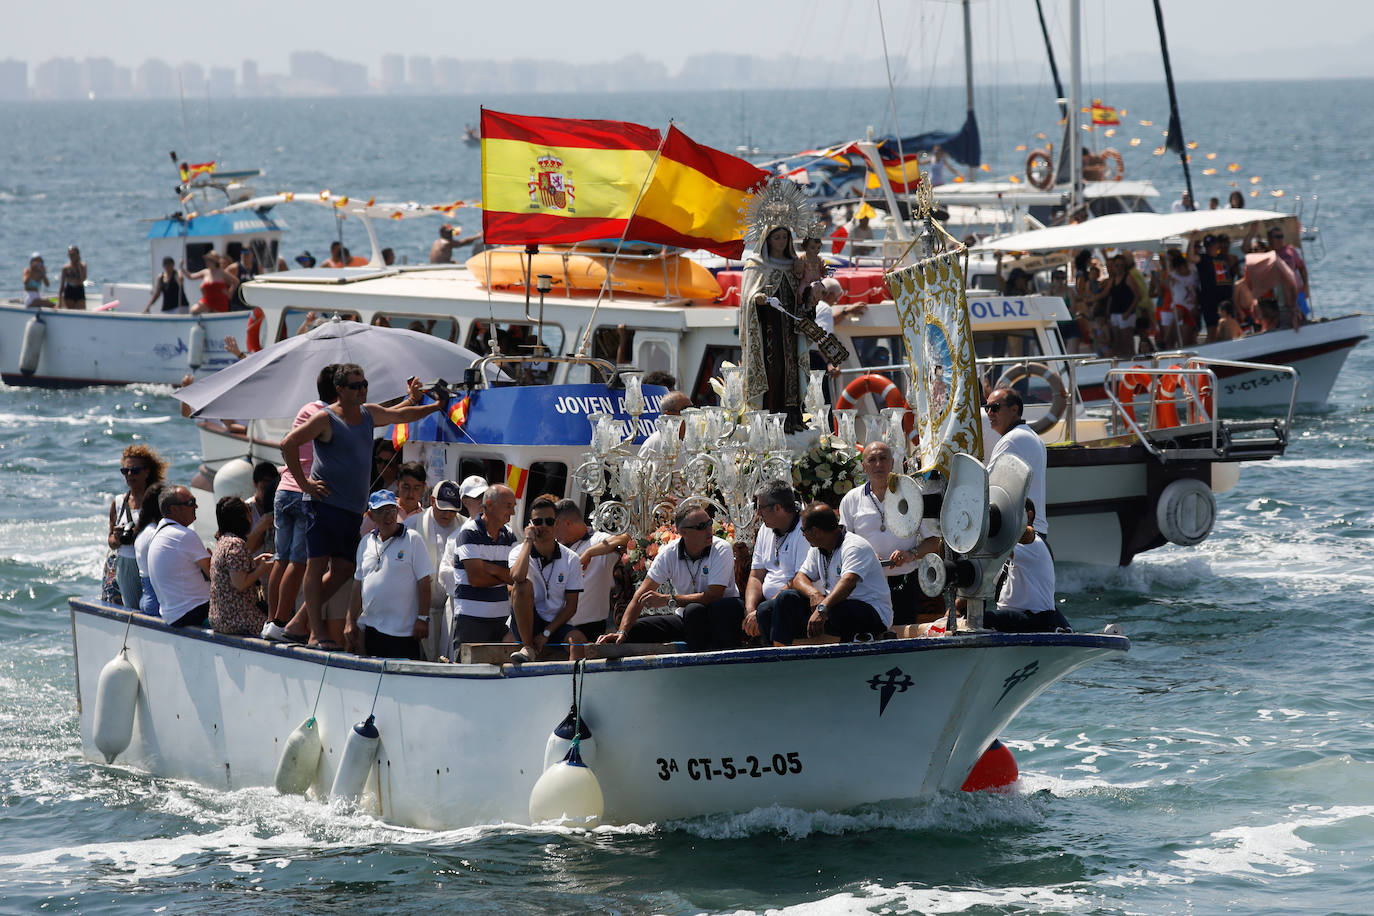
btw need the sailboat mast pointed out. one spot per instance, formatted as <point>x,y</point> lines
<point>972,172</point>
<point>1075,103</point>
<point>1175,138</point>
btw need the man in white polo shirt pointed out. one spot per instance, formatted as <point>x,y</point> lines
<point>700,570</point>
<point>840,588</point>
<point>546,583</point>
<point>178,565</point>
<point>389,615</point>
<point>599,552</point>
<point>779,549</point>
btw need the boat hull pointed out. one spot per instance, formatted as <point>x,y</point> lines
<point>813,727</point>
<point>113,348</point>
<point>1317,351</point>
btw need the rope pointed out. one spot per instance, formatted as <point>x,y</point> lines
<point>371,712</point>
<point>125,648</point>
<point>320,689</point>
<point>892,99</point>
<point>579,682</point>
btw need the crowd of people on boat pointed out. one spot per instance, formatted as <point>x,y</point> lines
<point>348,548</point>
<point>1122,305</point>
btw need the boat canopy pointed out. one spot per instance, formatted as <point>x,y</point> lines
<point>1136,231</point>
<point>214,225</point>
<point>1007,192</point>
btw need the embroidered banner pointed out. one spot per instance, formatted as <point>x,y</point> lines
<point>933,312</point>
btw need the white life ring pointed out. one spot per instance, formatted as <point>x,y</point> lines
<point>1186,512</point>
<point>1059,398</point>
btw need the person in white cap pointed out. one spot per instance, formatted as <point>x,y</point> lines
<point>435,526</point>
<point>389,615</point>
<point>470,491</point>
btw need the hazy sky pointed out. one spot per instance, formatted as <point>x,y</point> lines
<point>1243,38</point>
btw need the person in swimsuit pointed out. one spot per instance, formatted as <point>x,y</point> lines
<point>72,281</point>
<point>168,287</point>
<point>35,278</point>
<point>216,286</point>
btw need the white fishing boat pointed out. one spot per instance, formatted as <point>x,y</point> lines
<point>113,341</point>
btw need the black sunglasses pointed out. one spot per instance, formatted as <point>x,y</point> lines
<point>127,471</point>
<point>701,526</point>
<point>356,386</point>
<point>185,502</point>
<point>544,520</point>
<point>994,407</point>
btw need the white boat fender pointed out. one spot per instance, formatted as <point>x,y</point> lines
<point>35,331</point>
<point>195,355</point>
<point>300,759</point>
<point>234,478</point>
<point>568,793</point>
<point>561,741</point>
<point>116,701</point>
<point>359,753</point>
<point>1186,512</point>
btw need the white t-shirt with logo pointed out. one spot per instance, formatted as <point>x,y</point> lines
<point>692,576</point>
<point>552,580</point>
<point>388,571</point>
<point>854,555</point>
<point>779,558</point>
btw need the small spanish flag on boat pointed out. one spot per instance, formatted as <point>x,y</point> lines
<point>515,479</point>
<point>1104,114</point>
<point>400,433</point>
<point>458,412</point>
<point>190,170</point>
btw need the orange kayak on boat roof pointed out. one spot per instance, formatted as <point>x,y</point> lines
<point>668,276</point>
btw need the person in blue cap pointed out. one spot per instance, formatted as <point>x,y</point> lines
<point>389,615</point>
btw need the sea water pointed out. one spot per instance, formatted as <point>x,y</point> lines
<point>1226,764</point>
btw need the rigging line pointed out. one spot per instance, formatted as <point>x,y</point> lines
<point>378,692</point>
<point>610,269</point>
<point>320,689</point>
<point>892,98</point>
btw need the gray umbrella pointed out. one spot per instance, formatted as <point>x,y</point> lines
<point>280,379</point>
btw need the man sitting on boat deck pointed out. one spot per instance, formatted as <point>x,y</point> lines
<point>477,565</point>
<point>779,549</point>
<point>699,570</point>
<point>598,554</point>
<point>393,603</point>
<point>543,605</point>
<point>861,512</point>
<point>840,589</point>
<point>672,405</point>
<point>337,487</point>
<point>178,563</point>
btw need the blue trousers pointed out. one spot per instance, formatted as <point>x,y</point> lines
<point>786,619</point>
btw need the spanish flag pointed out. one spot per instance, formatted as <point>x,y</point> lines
<point>515,479</point>
<point>560,179</point>
<point>400,433</point>
<point>458,412</point>
<point>1104,114</point>
<point>695,198</point>
<point>190,170</point>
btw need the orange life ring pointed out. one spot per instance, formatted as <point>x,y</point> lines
<point>1132,384</point>
<point>1200,407</point>
<point>1040,169</point>
<point>254,332</point>
<point>880,385</point>
<point>1111,156</point>
<point>1166,389</point>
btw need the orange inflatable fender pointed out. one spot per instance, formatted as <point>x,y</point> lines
<point>253,336</point>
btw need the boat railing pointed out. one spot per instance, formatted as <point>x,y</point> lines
<point>477,376</point>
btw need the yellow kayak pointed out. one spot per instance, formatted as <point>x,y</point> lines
<point>670,276</point>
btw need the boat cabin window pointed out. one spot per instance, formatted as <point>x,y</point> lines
<point>293,318</point>
<point>195,255</point>
<point>265,250</point>
<point>1006,343</point>
<point>443,328</point>
<point>545,477</point>
<point>492,470</point>
<point>703,395</point>
<point>518,339</point>
<point>883,350</point>
<point>647,355</point>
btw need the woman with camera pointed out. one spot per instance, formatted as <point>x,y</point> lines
<point>141,468</point>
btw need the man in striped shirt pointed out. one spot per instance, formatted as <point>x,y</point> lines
<point>477,561</point>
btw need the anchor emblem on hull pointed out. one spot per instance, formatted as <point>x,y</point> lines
<point>889,683</point>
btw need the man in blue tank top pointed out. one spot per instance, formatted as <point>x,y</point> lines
<point>336,492</point>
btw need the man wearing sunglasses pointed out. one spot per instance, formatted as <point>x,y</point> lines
<point>779,549</point>
<point>546,583</point>
<point>336,490</point>
<point>178,564</point>
<point>1030,580</point>
<point>700,571</point>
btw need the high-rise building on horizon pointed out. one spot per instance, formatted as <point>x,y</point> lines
<point>221,83</point>
<point>57,78</point>
<point>420,73</point>
<point>154,79</point>
<point>249,83</point>
<point>393,72</point>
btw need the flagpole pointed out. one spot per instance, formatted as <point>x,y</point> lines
<point>605,284</point>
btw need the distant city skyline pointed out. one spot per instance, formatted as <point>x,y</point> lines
<point>360,47</point>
